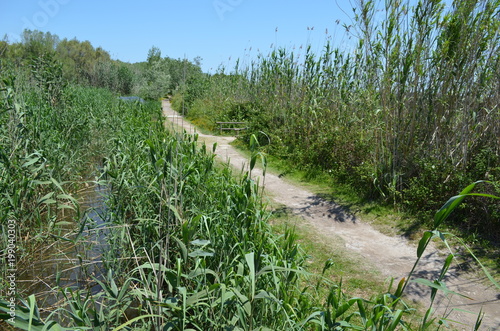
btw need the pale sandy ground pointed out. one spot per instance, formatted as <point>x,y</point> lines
<point>391,256</point>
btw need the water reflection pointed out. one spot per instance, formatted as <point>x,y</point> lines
<point>73,258</point>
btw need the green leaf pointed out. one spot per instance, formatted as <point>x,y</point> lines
<point>445,211</point>
<point>182,247</point>
<point>46,199</point>
<point>124,325</point>
<point>310,318</point>
<point>197,297</point>
<point>154,266</point>
<point>345,307</point>
<point>176,213</point>
<point>446,266</point>
<point>395,320</point>
<point>63,238</point>
<point>33,310</point>
<point>254,143</point>
<point>200,253</point>
<point>250,258</point>
<point>482,195</point>
<point>41,182</point>
<point>486,272</point>
<point>422,244</point>
<point>244,300</point>
<point>57,184</point>
<point>63,223</point>
<point>200,242</point>
<point>399,291</point>
<point>264,163</point>
<point>253,159</point>
<point>52,326</point>
<point>113,287</point>
<point>31,161</point>
<point>265,295</point>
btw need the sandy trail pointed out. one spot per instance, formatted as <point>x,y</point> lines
<point>392,256</point>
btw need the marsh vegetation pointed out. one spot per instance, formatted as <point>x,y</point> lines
<point>409,119</point>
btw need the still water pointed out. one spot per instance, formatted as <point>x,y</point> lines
<point>71,259</point>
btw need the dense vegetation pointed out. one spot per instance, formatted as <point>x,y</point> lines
<point>409,117</point>
<point>81,63</point>
<point>175,260</point>
<point>189,245</point>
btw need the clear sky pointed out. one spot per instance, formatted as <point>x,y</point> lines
<point>215,30</point>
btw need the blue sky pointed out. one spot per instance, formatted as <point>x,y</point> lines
<point>216,30</point>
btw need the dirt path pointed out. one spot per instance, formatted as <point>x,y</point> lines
<point>392,256</point>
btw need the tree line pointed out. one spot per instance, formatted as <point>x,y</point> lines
<point>79,62</point>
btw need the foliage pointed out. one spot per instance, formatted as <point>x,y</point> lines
<point>114,76</point>
<point>161,77</point>
<point>80,59</point>
<point>156,81</point>
<point>49,77</point>
<point>411,110</point>
<point>82,64</point>
<point>189,244</point>
<point>51,137</point>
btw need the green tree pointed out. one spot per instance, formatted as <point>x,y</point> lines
<point>154,55</point>
<point>80,59</point>
<point>182,71</point>
<point>125,79</point>
<point>156,81</point>
<point>37,43</point>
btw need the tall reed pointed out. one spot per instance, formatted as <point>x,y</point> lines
<point>190,248</point>
<point>410,112</point>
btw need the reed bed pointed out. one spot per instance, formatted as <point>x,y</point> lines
<point>188,244</point>
<point>189,247</point>
<point>408,117</point>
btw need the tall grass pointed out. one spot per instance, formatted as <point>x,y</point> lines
<point>53,137</point>
<point>45,149</point>
<point>199,238</point>
<point>189,245</point>
<point>190,248</point>
<point>409,116</point>
<point>213,264</point>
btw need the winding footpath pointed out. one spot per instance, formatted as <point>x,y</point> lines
<point>391,256</point>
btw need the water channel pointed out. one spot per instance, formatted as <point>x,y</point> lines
<point>72,258</point>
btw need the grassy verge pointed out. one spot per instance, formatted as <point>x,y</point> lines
<point>385,218</point>
<point>348,268</point>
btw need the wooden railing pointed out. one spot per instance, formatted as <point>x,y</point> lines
<point>231,126</point>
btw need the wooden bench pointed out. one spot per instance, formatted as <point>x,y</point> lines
<point>231,126</point>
